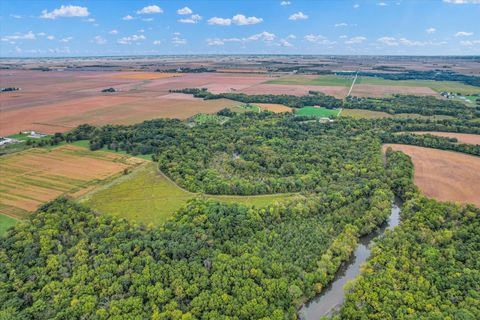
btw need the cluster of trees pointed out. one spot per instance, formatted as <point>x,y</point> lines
<point>423,105</point>
<point>313,99</point>
<point>427,269</point>
<point>431,141</point>
<point>437,75</point>
<point>210,261</point>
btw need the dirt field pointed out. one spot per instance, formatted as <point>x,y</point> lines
<point>32,177</point>
<point>371,90</point>
<point>296,90</point>
<point>461,137</point>
<point>445,175</point>
<point>145,75</point>
<point>52,102</point>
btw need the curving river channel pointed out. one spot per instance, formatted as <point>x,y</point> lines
<point>333,296</point>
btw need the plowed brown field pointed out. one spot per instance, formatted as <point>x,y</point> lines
<point>444,175</point>
<point>461,137</point>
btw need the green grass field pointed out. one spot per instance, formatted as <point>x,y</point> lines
<point>148,197</point>
<point>5,223</point>
<point>451,86</point>
<point>317,112</point>
<point>205,118</point>
<point>327,80</point>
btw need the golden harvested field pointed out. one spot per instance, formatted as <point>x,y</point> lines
<point>274,107</point>
<point>35,176</point>
<point>145,75</point>
<point>444,175</point>
<point>461,137</point>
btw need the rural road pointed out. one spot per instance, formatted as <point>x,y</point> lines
<point>353,83</point>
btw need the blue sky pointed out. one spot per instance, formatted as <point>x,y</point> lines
<point>78,28</point>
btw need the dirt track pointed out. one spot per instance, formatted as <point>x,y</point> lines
<point>445,175</point>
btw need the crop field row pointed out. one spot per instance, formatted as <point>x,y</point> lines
<point>35,176</point>
<point>148,196</point>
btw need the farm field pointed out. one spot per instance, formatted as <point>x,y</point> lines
<point>296,90</point>
<point>35,176</point>
<point>317,112</point>
<point>438,86</point>
<point>149,197</point>
<point>326,80</point>
<point>274,107</point>
<point>461,137</point>
<point>368,114</point>
<point>444,175</point>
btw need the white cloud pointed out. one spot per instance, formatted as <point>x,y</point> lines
<point>66,11</point>
<point>382,4</point>
<point>90,20</point>
<point>319,39</point>
<point>66,40</point>
<point>113,31</point>
<point>285,43</point>
<point>356,6</point>
<point>194,18</point>
<point>185,10</point>
<point>407,42</point>
<point>50,37</point>
<point>147,19</point>
<point>157,42</point>
<point>16,16</point>
<point>41,34</point>
<point>430,30</point>
<point>220,21</point>
<point>469,43</point>
<point>150,9</point>
<point>241,20</point>
<point>462,1</point>
<point>463,34</point>
<point>389,41</point>
<point>298,16</point>
<point>128,17</point>
<point>343,37</point>
<point>264,36</point>
<point>20,36</point>
<point>355,40</point>
<point>99,40</point>
<point>141,30</point>
<point>131,39</point>
<point>291,36</point>
<point>215,42</point>
<point>178,41</point>
<point>342,24</point>
<point>285,3</point>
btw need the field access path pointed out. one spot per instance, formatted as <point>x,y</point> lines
<point>353,83</point>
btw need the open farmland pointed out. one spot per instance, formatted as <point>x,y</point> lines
<point>444,175</point>
<point>33,177</point>
<point>461,137</point>
<point>296,90</point>
<point>327,80</point>
<point>274,107</point>
<point>148,196</point>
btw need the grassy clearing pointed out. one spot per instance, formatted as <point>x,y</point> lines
<point>317,112</point>
<point>327,80</point>
<point>6,223</point>
<point>205,118</point>
<point>450,86</point>
<point>149,197</point>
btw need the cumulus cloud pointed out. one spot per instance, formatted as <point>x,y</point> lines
<point>157,42</point>
<point>430,30</point>
<point>215,42</point>
<point>298,16</point>
<point>131,39</point>
<point>99,40</point>
<point>262,36</point>
<point>177,40</point>
<point>285,3</point>
<point>150,10</point>
<point>185,10</point>
<point>113,31</point>
<point>319,39</point>
<point>66,40</point>
<point>382,4</point>
<point>50,37</point>
<point>128,17</point>
<point>65,11</point>
<point>389,41</point>
<point>355,40</point>
<point>469,43</point>
<point>463,34</point>
<point>462,1</point>
<point>194,18</point>
<point>20,36</point>
<point>285,43</point>
<point>341,24</point>
<point>239,20</point>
